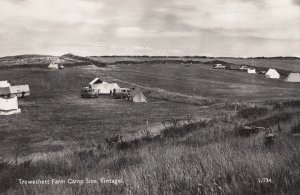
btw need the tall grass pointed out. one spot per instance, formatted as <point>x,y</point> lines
<point>195,158</point>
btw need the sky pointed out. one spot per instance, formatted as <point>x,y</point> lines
<point>231,28</point>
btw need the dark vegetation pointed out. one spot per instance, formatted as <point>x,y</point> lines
<point>296,128</point>
<point>252,112</point>
<point>85,60</point>
<point>287,104</point>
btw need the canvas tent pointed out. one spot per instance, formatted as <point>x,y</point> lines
<point>9,106</point>
<point>20,90</point>
<point>4,84</point>
<point>272,74</point>
<point>102,87</point>
<point>251,71</point>
<point>137,96</point>
<point>53,65</point>
<point>293,77</point>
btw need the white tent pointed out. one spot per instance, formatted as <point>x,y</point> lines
<point>251,71</point>
<point>4,84</point>
<point>272,74</point>
<point>102,87</point>
<point>137,96</point>
<point>293,77</point>
<point>20,90</point>
<point>53,65</point>
<point>9,106</point>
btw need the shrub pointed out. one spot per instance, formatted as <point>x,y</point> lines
<point>296,128</point>
<point>287,104</point>
<point>252,112</point>
<point>274,119</point>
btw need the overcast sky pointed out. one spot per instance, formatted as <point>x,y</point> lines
<point>151,27</point>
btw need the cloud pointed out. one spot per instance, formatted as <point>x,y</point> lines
<point>149,26</point>
<point>297,2</point>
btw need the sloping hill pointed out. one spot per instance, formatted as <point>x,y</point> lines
<point>33,60</point>
<point>88,60</point>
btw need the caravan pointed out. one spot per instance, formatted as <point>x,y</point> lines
<point>9,105</point>
<point>20,90</point>
<point>251,71</point>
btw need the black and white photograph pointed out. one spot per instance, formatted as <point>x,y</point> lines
<point>150,97</point>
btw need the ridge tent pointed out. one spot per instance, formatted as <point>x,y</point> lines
<point>137,96</point>
<point>293,77</point>
<point>272,74</point>
<point>53,65</point>
<point>9,106</point>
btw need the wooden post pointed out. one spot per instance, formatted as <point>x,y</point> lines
<point>235,107</point>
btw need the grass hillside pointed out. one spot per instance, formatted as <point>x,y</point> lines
<point>205,157</point>
<point>189,138</point>
<point>32,60</point>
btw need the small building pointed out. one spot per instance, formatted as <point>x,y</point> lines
<point>102,87</point>
<point>53,65</point>
<point>272,74</point>
<point>137,96</point>
<point>9,105</point>
<point>20,90</point>
<point>293,77</point>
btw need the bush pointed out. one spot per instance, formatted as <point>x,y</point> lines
<point>296,128</point>
<point>275,119</point>
<point>287,104</point>
<point>253,112</point>
<point>9,174</point>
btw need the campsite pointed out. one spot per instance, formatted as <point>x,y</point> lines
<point>57,125</point>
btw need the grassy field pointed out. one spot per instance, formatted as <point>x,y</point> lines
<point>64,134</point>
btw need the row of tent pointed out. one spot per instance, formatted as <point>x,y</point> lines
<point>273,74</point>
<point>99,87</point>
<point>9,97</point>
